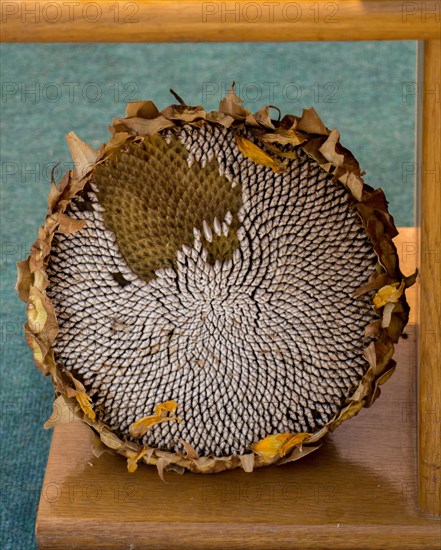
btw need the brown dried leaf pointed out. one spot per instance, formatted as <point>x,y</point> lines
<point>143,126</point>
<point>161,464</point>
<point>285,137</point>
<point>247,462</point>
<point>115,142</point>
<point>189,450</point>
<point>62,413</point>
<point>24,279</point>
<point>69,225</point>
<point>53,197</point>
<point>347,413</point>
<point>141,109</point>
<point>184,113</point>
<point>83,155</point>
<point>370,355</point>
<point>297,453</point>
<point>110,439</point>
<point>98,447</point>
<point>375,284</point>
<point>328,149</point>
<point>311,123</point>
<point>232,105</point>
<point>220,118</point>
<point>373,329</point>
<point>37,314</point>
<point>411,279</point>
<point>263,118</point>
<point>39,350</point>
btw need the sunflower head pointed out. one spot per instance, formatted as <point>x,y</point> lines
<point>212,290</point>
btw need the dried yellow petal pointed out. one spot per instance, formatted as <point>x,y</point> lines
<point>164,408</point>
<point>141,426</point>
<point>388,294</point>
<point>84,401</point>
<point>278,444</point>
<point>256,154</point>
<point>132,462</point>
<point>293,442</point>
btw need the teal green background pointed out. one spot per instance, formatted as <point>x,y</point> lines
<point>364,89</point>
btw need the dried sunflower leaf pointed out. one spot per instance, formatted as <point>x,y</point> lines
<point>69,225</point>
<point>37,314</point>
<point>110,439</point>
<point>161,465</point>
<point>285,137</point>
<point>311,123</point>
<point>189,450</point>
<point>24,280</point>
<point>247,462</point>
<point>263,118</point>
<point>220,118</point>
<point>62,413</point>
<point>141,109</point>
<point>232,105</point>
<point>143,126</point>
<point>83,155</point>
<point>297,453</point>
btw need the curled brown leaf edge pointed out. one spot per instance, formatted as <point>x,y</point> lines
<point>143,119</point>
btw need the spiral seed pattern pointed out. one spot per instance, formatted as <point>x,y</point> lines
<point>242,311</point>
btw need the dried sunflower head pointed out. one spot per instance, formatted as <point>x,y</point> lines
<point>213,290</point>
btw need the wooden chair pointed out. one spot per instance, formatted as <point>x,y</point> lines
<point>365,488</point>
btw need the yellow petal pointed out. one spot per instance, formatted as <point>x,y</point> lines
<point>141,426</point>
<point>84,401</point>
<point>256,154</point>
<point>163,408</point>
<point>388,294</point>
<point>293,442</point>
<point>280,444</point>
<point>132,462</point>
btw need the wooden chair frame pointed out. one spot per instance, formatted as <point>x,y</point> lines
<point>233,21</point>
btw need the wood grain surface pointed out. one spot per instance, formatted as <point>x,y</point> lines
<point>229,21</point>
<point>430,297</point>
<point>358,491</point>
